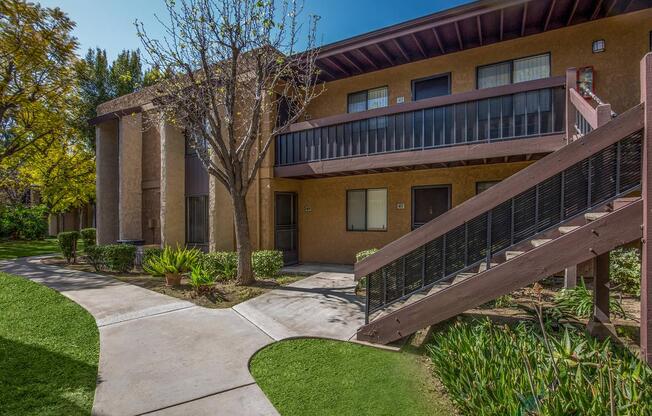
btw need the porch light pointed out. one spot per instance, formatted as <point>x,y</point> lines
<point>598,46</point>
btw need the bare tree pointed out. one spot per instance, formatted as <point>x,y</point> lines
<point>234,64</point>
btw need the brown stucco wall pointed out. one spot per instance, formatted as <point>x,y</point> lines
<point>616,69</point>
<point>322,206</point>
<point>151,172</point>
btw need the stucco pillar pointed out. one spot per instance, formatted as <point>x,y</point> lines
<point>130,204</point>
<point>106,182</point>
<point>172,185</point>
<point>220,217</point>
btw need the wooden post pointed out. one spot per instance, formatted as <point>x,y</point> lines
<point>646,190</point>
<point>600,324</point>
<point>570,277</point>
<point>570,274</point>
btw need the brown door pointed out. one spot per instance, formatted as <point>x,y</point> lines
<point>286,230</point>
<point>429,202</point>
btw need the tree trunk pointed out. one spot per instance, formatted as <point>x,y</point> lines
<point>242,239</point>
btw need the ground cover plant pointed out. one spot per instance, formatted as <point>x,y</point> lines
<point>578,301</point>
<point>327,377</point>
<point>49,348</point>
<point>491,369</point>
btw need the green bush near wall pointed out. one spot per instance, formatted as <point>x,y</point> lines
<point>267,263</point>
<point>119,257</point>
<point>364,254</point>
<point>23,222</point>
<point>89,237</point>
<point>68,244</point>
<point>625,270</point>
<point>223,265</point>
<point>95,256</point>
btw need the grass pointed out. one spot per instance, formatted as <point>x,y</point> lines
<point>325,377</point>
<point>49,349</point>
<point>11,249</point>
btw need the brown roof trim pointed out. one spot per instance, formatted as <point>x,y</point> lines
<point>115,115</point>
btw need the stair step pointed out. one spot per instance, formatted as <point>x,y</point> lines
<point>511,254</point>
<point>592,216</point>
<point>621,202</point>
<point>483,266</point>
<point>566,230</point>
<point>540,241</point>
<point>462,276</point>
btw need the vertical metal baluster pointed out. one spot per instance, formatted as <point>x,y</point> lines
<point>562,213</point>
<point>366,310</point>
<point>588,193</point>
<point>466,244</point>
<point>511,234</point>
<point>443,256</point>
<point>489,220</point>
<point>402,280</point>
<point>423,267</point>
<point>536,208</point>
<point>384,273</point>
<point>618,168</point>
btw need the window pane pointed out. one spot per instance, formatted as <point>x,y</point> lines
<point>433,87</point>
<point>376,209</point>
<point>357,102</point>
<point>377,98</point>
<point>494,75</point>
<point>535,67</point>
<point>355,210</point>
<point>197,219</point>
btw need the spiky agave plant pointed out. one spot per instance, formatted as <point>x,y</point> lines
<point>578,301</point>
<point>172,262</point>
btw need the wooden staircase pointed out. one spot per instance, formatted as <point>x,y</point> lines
<point>575,204</point>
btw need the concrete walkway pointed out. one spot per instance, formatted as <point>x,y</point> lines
<point>162,356</point>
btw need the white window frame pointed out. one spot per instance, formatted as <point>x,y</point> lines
<point>512,70</point>
<point>367,100</point>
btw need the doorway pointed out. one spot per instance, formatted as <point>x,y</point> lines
<point>429,202</point>
<point>286,231</point>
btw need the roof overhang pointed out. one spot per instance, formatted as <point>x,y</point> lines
<point>469,26</point>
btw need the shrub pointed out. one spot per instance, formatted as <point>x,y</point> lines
<point>222,265</point>
<point>95,256</point>
<point>150,254</point>
<point>200,280</point>
<point>119,257</point>
<point>23,222</point>
<point>364,254</point>
<point>625,270</point>
<point>68,244</point>
<point>578,301</point>
<point>88,236</point>
<point>267,263</point>
<point>172,260</point>
<point>491,369</point>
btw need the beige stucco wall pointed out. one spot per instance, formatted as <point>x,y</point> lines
<point>172,191</point>
<point>616,69</point>
<point>130,165</point>
<point>151,172</point>
<point>106,182</point>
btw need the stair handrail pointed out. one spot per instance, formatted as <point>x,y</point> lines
<point>581,116</point>
<point>627,123</point>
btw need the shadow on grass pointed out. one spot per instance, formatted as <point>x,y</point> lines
<point>36,381</point>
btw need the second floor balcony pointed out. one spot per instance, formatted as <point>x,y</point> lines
<point>523,119</point>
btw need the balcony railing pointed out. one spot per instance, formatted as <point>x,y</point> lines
<point>516,111</point>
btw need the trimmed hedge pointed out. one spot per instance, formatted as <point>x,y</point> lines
<point>95,256</point>
<point>25,223</point>
<point>119,257</point>
<point>267,263</point>
<point>68,244</point>
<point>88,236</point>
<point>222,265</point>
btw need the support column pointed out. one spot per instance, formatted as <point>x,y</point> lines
<point>172,186</point>
<point>220,217</point>
<point>646,191</point>
<point>106,182</point>
<point>130,206</point>
<point>570,277</point>
<point>600,325</point>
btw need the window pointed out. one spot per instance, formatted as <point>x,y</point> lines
<point>483,186</point>
<point>598,46</point>
<point>518,70</point>
<point>197,219</point>
<point>366,210</point>
<point>368,100</point>
<point>431,87</point>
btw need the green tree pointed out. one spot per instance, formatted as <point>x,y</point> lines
<point>126,73</point>
<point>94,87</point>
<point>36,80</point>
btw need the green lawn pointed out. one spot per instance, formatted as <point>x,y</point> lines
<point>324,377</point>
<point>10,249</point>
<point>49,349</point>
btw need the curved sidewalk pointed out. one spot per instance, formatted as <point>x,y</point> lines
<point>163,356</point>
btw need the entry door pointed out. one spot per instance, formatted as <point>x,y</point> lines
<point>429,202</point>
<point>285,229</point>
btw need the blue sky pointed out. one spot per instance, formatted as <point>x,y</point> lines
<point>109,23</point>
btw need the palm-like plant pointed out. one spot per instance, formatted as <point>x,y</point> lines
<point>172,262</point>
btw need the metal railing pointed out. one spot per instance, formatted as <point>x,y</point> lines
<point>604,176</point>
<point>503,117</point>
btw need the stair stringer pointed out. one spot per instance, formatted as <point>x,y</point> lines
<point>592,239</point>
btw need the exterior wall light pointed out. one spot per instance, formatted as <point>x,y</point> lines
<point>598,46</point>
